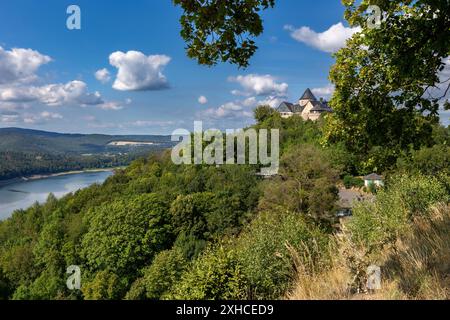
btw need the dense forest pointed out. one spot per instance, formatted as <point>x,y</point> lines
<point>28,152</point>
<point>25,164</point>
<point>27,140</point>
<point>161,231</point>
<point>157,230</point>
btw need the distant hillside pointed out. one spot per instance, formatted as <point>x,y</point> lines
<point>25,140</point>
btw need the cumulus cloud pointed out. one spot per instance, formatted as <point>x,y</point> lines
<point>20,65</point>
<point>138,72</point>
<point>50,115</point>
<point>325,92</point>
<point>28,118</point>
<point>239,109</point>
<point>20,90</point>
<point>255,90</point>
<point>259,85</point>
<point>12,106</point>
<point>103,75</point>
<point>249,102</point>
<point>202,100</point>
<point>270,101</point>
<point>41,117</point>
<point>228,110</point>
<point>73,92</point>
<point>330,40</point>
<point>111,105</point>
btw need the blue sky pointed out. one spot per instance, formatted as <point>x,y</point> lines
<point>48,75</point>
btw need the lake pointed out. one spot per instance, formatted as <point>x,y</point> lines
<point>23,194</point>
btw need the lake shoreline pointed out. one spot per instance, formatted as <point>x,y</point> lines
<point>52,175</point>
<point>25,193</point>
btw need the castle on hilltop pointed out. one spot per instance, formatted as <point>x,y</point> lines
<point>308,107</point>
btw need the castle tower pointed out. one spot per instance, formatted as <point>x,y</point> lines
<point>308,96</point>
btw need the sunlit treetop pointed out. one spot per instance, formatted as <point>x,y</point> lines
<point>390,80</point>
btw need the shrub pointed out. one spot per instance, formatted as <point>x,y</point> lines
<point>137,290</point>
<point>379,223</point>
<point>265,255</point>
<point>216,275</point>
<point>350,182</point>
<point>308,185</point>
<point>104,286</point>
<point>163,273</point>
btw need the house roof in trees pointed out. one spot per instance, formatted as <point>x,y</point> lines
<point>308,95</point>
<point>298,108</point>
<point>290,107</point>
<point>321,106</point>
<point>286,107</point>
<point>373,176</point>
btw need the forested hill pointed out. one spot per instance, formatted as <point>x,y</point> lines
<point>157,230</point>
<point>25,140</point>
<point>26,152</point>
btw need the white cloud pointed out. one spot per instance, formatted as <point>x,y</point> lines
<point>20,65</point>
<point>270,101</point>
<point>165,124</point>
<point>259,85</point>
<point>111,105</point>
<point>9,117</point>
<point>325,92</point>
<point>42,117</point>
<point>153,123</point>
<point>138,72</point>
<point>29,118</point>
<point>19,88</point>
<point>50,115</point>
<point>18,94</point>
<point>249,102</point>
<point>103,75</point>
<point>228,110</point>
<point>255,90</point>
<point>13,106</point>
<point>330,40</point>
<point>73,92</point>
<point>239,109</point>
<point>202,100</point>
